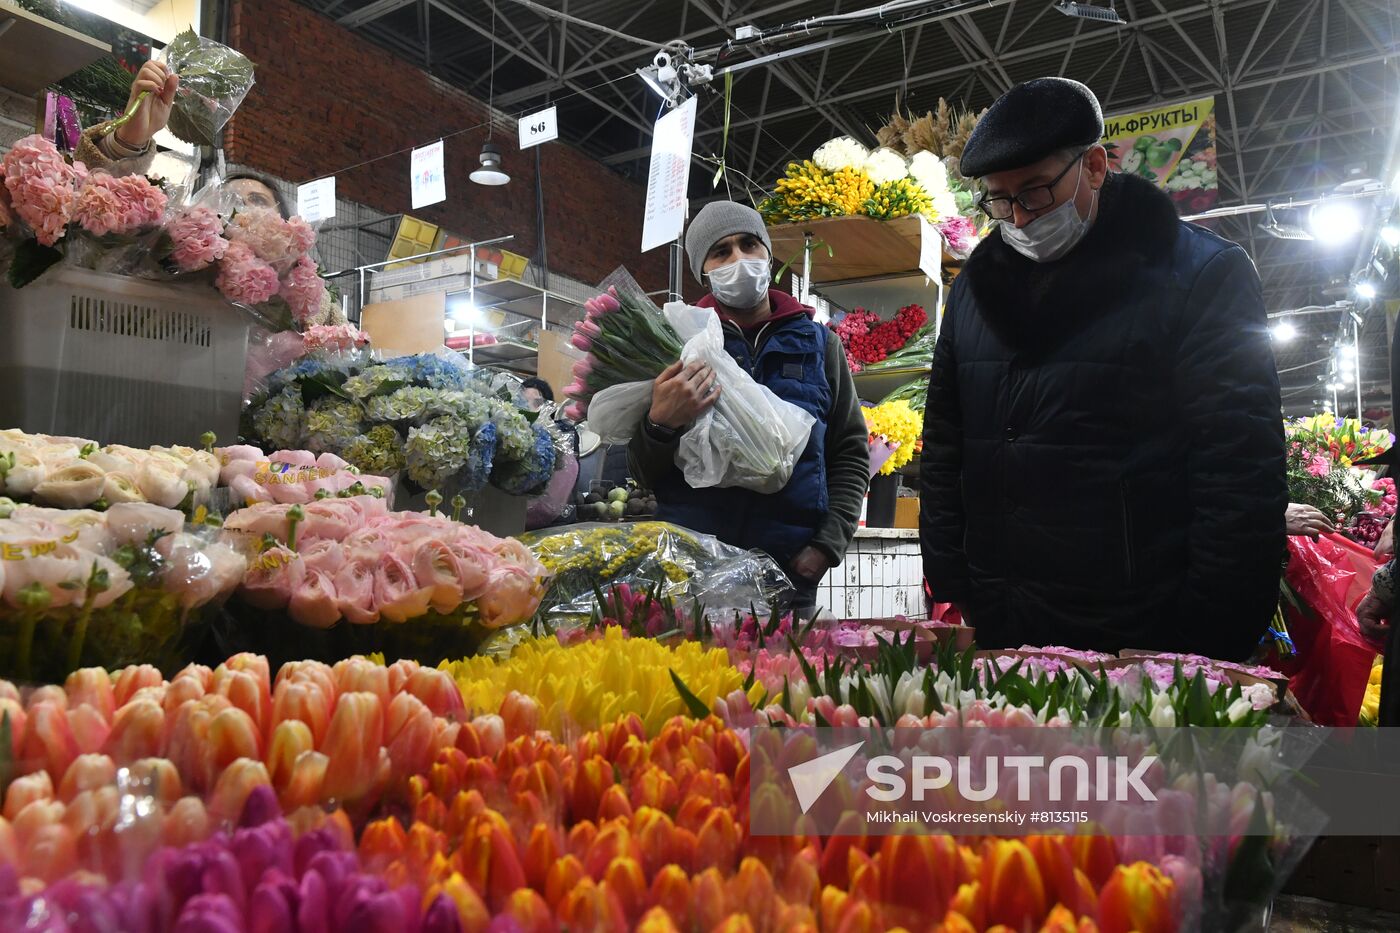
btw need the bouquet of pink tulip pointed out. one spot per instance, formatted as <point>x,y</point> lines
<point>750,438</point>
<point>354,560</point>
<point>291,477</point>
<point>129,584</point>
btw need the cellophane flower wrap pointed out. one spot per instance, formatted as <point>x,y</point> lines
<point>126,585</point>
<point>750,438</point>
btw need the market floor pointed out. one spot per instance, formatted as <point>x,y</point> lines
<point>1308,915</point>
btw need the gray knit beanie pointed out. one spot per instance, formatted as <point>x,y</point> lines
<point>717,220</point>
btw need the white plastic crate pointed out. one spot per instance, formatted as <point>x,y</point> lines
<point>120,360</point>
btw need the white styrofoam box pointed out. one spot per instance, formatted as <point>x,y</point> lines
<point>121,360</point>
<point>881,577</point>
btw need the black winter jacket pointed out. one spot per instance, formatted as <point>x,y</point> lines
<point>1103,460</point>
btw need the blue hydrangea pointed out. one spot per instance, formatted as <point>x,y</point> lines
<point>529,475</point>
<point>477,471</point>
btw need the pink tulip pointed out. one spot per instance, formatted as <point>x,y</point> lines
<point>400,672</point>
<point>25,790</point>
<point>87,772</point>
<point>188,821</point>
<point>573,412</point>
<point>491,733</point>
<point>608,303</point>
<point>90,728</point>
<point>187,745</point>
<point>304,702</point>
<point>52,853</point>
<point>184,688</point>
<point>589,329</point>
<point>8,691</point>
<point>12,710</point>
<point>236,782</point>
<point>409,734</point>
<point>51,694</point>
<point>133,678</point>
<point>580,342</point>
<point>521,715</point>
<point>363,676</point>
<point>582,368</point>
<point>353,745</point>
<point>93,686</point>
<point>575,389</point>
<point>48,740</point>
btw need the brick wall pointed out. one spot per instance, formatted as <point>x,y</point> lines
<point>326,99</point>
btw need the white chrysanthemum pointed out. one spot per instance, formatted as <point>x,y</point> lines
<point>945,204</point>
<point>885,166</point>
<point>930,172</point>
<point>841,152</point>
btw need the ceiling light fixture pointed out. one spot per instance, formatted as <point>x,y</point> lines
<point>490,172</point>
<point>1335,221</point>
<point>1391,236</point>
<point>1365,290</point>
<point>1284,332</point>
<point>1282,231</point>
<point>1088,11</point>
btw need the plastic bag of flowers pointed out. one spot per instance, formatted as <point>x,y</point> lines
<point>133,584</point>
<point>248,476</point>
<point>405,584</point>
<point>674,562</point>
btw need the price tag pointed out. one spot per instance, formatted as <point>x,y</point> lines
<point>668,182</point>
<point>316,200</point>
<point>428,179</point>
<point>930,251</point>
<point>542,127</point>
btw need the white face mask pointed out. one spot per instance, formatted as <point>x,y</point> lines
<point>741,285</point>
<point>1052,236</point>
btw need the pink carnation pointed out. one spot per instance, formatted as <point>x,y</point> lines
<point>340,337</point>
<point>245,278</point>
<point>1319,465</point>
<point>197,239</point>
<point>122,206</point>
<point>272,239</point>
<point>303,290</point>
<point>42,187</point>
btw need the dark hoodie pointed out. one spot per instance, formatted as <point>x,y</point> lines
<point>847,451</point>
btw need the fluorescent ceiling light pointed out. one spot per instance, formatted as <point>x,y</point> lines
<point>1284,332</point>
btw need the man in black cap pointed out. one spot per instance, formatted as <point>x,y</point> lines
<point>1103,459</point>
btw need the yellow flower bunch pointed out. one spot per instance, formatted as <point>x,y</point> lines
<point>901,198</point>
<point>606,551</point>
<point>586,685</point>
<point>807,191</point>
<point>898,424</point>
<point>1371,704</point>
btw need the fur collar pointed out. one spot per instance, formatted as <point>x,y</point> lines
<point>1031,304</point>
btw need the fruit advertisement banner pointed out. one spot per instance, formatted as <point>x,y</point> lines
<point>1171,146</point>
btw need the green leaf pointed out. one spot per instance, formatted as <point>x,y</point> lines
<point>697,709</point>
<point>30,261</point>
<point>1199,711</point>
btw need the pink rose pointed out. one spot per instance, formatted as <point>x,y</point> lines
<point>324,556</point>
<point>245,278</point>
<point>512,596</point>
<point>134,522</point>
<point>315,602</point>
<point>329,462</point>
<point>474,567</point>
<point>435,568</point>
<point>396,590</point>
<point>265,518</point>
<point>274,576</point>
<point>300,458</point>
<point>330,519</point>
<point>197,572</point>
<point>354,588</point>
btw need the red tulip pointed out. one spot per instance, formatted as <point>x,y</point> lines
<point>918,877</point>
<point>1096,856</point>
<point>564,875</point>
<point>592,907</point>
<point>1065,884</point>
<point>586,787</point>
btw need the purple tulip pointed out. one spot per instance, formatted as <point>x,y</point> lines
<point>261,807</point>
<point>210,913</point>
<point>268,846</point>
<point>272,908</point>
<point>442,916</point>
<point>313,906</point>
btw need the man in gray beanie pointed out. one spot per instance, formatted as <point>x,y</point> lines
<point>807,526</point>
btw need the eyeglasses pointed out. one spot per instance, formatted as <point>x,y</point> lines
<point>1032,199</point>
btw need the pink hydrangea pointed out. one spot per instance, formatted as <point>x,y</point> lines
<point>122,206</point>
<point>243,277</point>
<point>196,237</point>
<point>340,337</point>
<point>303,290</point>
<point>272,239</point>
<point>42,187</point>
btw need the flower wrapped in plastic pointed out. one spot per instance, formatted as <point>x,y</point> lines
<point>436,452</point>
<point>280,421</point>
<point>70,472</point>
<point>124,586</point>
<point>331,424</point>
<point>378,450</point>
<point>529,474</point>
<point>293,476</point>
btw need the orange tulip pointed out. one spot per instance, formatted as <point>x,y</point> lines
<point>233,787</point>
<point>717,843</point>
<point>1096,856</point>
<point>530,912</point>
<point>967,903</point>
<point>91,686</point>
<point>87,772</point>
<point>521,714</point>
<point>137,731</point>
<point>707,900</point>
<point>384,841</point>
<point>48,740</point>
<point>614,841</point>
<point>657,920</point>
<point>153,777</point>
<point>735,923</point>
<point>653,787</point>
<point>33,817</point>
<point>624,880</point>
<point>133,678</point>
<point>586,787</point>
<point>9,849</point>
<point>671,890</point>
<point>12,710</point>
<point>490,862</point>
<point>399,672</point>
<point>614,804</point>
<point>1012,887</point>
<point>918,877</point>
<point>187,744</point>
<point>289,740</point>
<point>1137,897</point>
<point>52,853</point>
<point>316,673</point>
<point>248,692</point>
<point>591,907</point>
<point>360,675</point>
<point>563,876</point>
<point>1065,884</point>
<point>25,790</point>
<point>304,701</point>
<point>51,694</point>
<point>182,689</point>
<point>541,853</point>
<point>352,746</point>
<point>233,734</point>
<point>751,891</point>
<point>470,908</point>
<point>409,736</point>
<point>955,922</point>
<point>187,822</point>
<point>1063,920</point>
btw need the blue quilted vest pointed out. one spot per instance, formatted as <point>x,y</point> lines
<point>791,361</point>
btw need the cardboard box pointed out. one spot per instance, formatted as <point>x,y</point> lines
<point>556,362</point>
<point>906,512</point>
<point>409,325</point>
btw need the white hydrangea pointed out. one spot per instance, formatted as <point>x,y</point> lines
<point>930,172</point>
<point>841,152</point>
<point>885,165</point>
